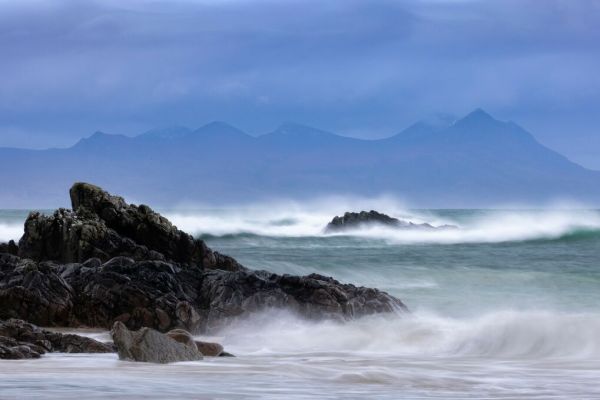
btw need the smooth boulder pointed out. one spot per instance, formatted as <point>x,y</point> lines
<point>208,349</point>
<point>149,345</point>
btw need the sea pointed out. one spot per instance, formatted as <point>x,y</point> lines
<point>505,306</point>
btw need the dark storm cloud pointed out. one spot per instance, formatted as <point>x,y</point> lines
<point>356,67</point>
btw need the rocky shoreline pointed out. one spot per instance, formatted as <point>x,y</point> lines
<point>106,261</point>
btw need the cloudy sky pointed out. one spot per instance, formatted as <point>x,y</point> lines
<point>359,68</point>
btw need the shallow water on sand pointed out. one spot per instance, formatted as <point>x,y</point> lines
<point>507,306</point>
<point>305,376</point>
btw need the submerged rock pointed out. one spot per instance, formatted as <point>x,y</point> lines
<point>149,345</point>
<point>353,220</point>
<point>110,261</point>
<point>20,339</point>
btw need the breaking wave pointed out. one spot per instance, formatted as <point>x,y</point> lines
<point>500,334</point>
<point>473,226</point>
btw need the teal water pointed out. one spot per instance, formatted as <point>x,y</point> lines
<point>505,306</point>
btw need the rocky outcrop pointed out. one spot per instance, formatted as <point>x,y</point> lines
<point>353,220</point>
<point>109,261</point>
<point>165,296</point>
<point>149,345</point>
<point>34,292</point>
<point>105,226</point>
<point>20,339</point>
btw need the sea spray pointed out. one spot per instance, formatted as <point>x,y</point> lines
<point>502,334</point>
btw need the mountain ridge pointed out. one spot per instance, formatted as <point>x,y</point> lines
<point>476,161</point>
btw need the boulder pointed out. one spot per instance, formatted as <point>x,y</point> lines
<point>210,349</point>
<point>207,349</point>
<point>20,339</point>
<point>149,345</point>
<point>182,336</point>
<point>353,220</point>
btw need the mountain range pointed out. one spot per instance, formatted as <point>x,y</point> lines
<point>475,161</point>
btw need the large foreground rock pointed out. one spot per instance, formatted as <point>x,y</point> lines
<point>165,296</point>
<point>149,345</point>
<point>110,261</point>
<point>20,339</point>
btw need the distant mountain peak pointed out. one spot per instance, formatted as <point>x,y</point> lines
<point>478,115</point>
<point>219,129</point>
<point>219,125</point>
<point>99,138</point>
<point>295,129</point>
<point>438,120</point>
<point>169,132</point>
<point>98,134</point>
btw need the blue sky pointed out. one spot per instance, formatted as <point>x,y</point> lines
<point>360,68</point>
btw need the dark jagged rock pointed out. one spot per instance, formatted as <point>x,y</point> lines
<point>20,339</point>
<point>165,296</point>
<point>313,296</point>
<point>353,220</point>
<point>149,345</point>
<point>105,226</point>
<point>92,267</point>
<point>34,291</point>
<point>9,248</point>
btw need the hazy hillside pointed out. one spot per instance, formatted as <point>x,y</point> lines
<point>475,161</point>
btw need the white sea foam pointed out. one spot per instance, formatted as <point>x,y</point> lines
<point>292,219</point>
<point>10,231</point>
<point>507,334</point>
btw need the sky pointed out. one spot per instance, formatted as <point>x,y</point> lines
<point>358,68</point>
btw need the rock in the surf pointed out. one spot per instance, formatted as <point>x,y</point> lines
<point>211,349</point>
<point>149,345</point>
<point>20,339</point>
<point>208,349</point>
<point>353,220</point>
<point>182,336</point>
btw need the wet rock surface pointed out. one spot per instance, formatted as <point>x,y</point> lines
<point>104,226</point>
<point>110,261</point>
<point>149,345</point>
<point>9,248</point>
<point>208,349</point>
<point>20,339</point>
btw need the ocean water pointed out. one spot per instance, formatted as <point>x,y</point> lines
<point>507,306</point>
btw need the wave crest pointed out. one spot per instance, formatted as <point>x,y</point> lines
<point>500,334</point>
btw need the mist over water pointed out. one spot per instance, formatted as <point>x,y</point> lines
<point>504,306</point>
